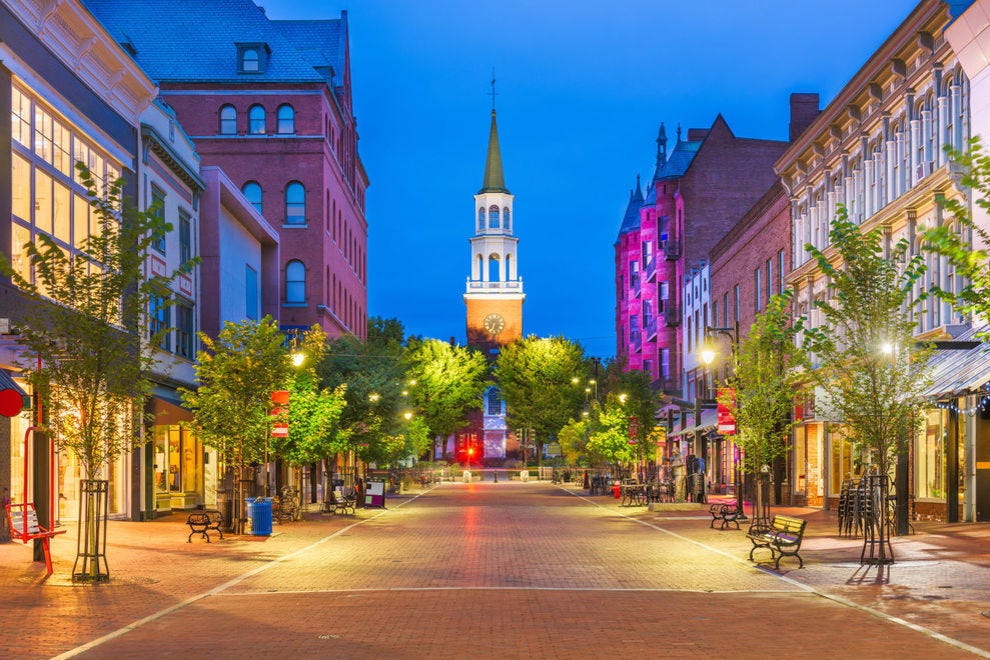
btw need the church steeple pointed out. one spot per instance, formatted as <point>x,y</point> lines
<point>661,151</point>
<point>494,180</point>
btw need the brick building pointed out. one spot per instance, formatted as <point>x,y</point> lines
<point>270,103</point>
<point>696,195</point>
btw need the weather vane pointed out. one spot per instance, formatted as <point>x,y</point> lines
<point>493,93</point>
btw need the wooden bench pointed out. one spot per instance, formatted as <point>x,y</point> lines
<point>24,527</point>
<point>200,522</point>
<point>340,504</point>
<point>725,513</point>
<point>782,538</point>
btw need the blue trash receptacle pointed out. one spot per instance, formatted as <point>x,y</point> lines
<point>260,513</point>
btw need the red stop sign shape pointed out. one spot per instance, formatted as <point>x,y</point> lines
<point>11,402</point>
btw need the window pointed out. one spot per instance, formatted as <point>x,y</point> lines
<point>506,215</point>
<point>493,217</point>
<point>735,310</point>
<point>250,61</point>
<point>295,204</point>
<point>493,402</point>
<point>665,363</point>
<point>295,282</point>
<point>756,289</point>
<point>725,309</point>
<point>481,219</point>
<point>185,238</point>
<point>250,293</point>
<point>184,331</point>
<point>158,321</point>
<point>286,119</point>
<point>157,209</point>
<point>252,57</point>
<point>252,193</point>
<point>228,120</point>
<point>780,271</point>
<point>256,120</point>
<point>769,279</point>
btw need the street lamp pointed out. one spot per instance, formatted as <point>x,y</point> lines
<point>708,356</point>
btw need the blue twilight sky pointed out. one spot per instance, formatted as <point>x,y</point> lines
<point>582,89</point>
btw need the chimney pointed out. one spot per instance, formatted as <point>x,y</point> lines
<point>697,134</point>
<point>804,110</point>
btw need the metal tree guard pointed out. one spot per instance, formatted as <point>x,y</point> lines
<point>92,542</point>
<point>877,549</point>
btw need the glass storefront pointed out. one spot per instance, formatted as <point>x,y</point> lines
<point>178,467</point>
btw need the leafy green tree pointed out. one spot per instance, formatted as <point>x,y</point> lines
<point>237,372</point>
<point>314,413</point>
<point>89,313</point>
<point>609,438</point>
<point>864,349</point>
<point>573,438</point>
<point>632,390</point>
<point>535,376</point>
<point>445,382</point>
<point>964,243</point>
<point>373,373</point>
<point>768,373</point>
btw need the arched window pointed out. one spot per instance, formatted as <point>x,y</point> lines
<point>493,217</point>
<point>493,272</point>
<point>493,402</point>
<point>252,192</point>
<point>295,204</point>
<point>481,267</point>
<point>506,217</point>
<point>228,120</point>
<point>250,60</point>
<point>256,120</point>
<point>481,219</point>
<point>295,282</point>
<point>286,119</point>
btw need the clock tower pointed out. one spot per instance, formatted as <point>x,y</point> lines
<point>494,295</point>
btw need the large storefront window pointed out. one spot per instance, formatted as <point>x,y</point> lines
<point>841,464</point>
<point>178,466</point>
<point>930,462</point>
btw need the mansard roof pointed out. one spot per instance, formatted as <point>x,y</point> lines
<point>196,41</point>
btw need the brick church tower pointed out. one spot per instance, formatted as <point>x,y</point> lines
<point>494,295</point>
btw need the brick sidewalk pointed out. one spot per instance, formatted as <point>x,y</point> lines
<point>939,582</point>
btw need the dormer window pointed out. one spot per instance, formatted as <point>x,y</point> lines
<point>252,58</point>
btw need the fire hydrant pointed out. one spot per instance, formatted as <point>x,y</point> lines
<point>617,490</point>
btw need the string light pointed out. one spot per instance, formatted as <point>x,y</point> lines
<point>969,412</point>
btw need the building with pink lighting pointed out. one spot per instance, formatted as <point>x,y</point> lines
<point>700,188</point>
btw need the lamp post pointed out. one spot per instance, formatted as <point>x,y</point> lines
<point>708,354</point>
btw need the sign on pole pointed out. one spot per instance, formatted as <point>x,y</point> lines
<point>726,420</point>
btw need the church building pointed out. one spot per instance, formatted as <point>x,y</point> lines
<point>494,294</point>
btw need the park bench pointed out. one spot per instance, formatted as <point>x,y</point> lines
<point>727,514</point>
<point>200,522</point>
<point>340,504</point>
<point>782,538</point>
<point>24,527</point>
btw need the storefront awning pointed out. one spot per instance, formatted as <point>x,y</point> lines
<point>165,405</point>
<point>709,420</point>
<point>958,372</point>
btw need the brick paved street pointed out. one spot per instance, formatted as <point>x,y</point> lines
<point>500,570</point>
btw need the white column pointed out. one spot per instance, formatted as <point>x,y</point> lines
<point>914,142</point>
<point>943,119</point>
<point>867,187</point>
<point>957,120</point>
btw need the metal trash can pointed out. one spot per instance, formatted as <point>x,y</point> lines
<point>260,513</point>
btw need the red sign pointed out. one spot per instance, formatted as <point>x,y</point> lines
<point>280,398</point>
<point>11,402</point>
<point>726,420</point>
<point>280,430</point>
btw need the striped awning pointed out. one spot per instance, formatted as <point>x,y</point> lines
<point>958,372</point>
<point>709,420</point>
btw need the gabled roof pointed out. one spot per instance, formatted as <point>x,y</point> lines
<point>195,41</point>
<point>630,221</point>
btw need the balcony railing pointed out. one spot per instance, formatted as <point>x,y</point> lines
<point>671,249</point>
<point>636,338</point>
<point>672,316</point>
<point>481,285</point>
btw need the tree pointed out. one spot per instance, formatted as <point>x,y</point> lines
<point>573,438</point>
<point>89,311</point>
<point>632,390</point>
<point>535,376</point>
<point>609,438</point>
<point>768,373</point>
<point>864,349</point>
<point>969,258</point>
<point>445,382</point>
<point>314,413</point>
<point>237,372</point>
<point>374,376</point>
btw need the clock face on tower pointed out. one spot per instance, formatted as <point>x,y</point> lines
<point>493,324</point>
